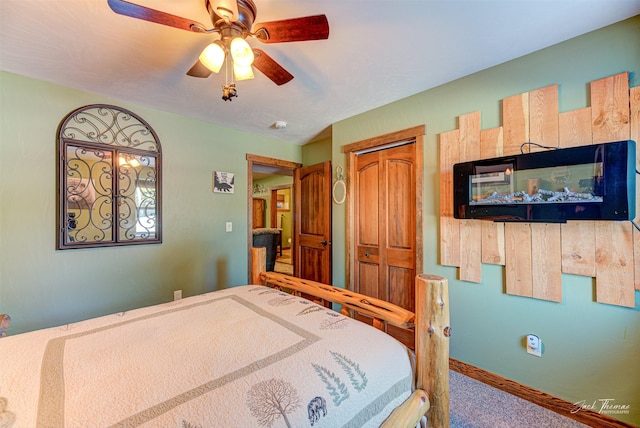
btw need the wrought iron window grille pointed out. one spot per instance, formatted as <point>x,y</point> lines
<point>109,179</point>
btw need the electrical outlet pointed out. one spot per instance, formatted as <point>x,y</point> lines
<point>177,295</point>
<point>534,345</point>
<point>229,226</point>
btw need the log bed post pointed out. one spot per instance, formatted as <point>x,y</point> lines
<point>432,345</point>
<point>432,331</point>
<point>258,264</point>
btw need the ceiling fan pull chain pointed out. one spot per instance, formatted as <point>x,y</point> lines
<point>229,89</point>
<point>226,68</point>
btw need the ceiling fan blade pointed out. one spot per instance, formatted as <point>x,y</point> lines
<point>125,8</point>
<point>293,30</point>
<point>199,70</point>
<point>270,68</point>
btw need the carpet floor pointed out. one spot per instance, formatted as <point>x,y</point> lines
<point>285,268</point>
<point>283,262</point>
<point>474,404</point>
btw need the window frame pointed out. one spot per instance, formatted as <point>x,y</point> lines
<point>114,136</point>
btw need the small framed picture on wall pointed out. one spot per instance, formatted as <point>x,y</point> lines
<point>223,182</point>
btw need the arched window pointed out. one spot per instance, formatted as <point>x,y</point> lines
<point>109,179</point>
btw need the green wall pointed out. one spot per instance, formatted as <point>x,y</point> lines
<point>316,151</point>
<point>41,287</point>
<point>590,349</point>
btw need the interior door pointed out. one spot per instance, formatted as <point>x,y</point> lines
<point>312,225</point>
<point>385,228</point>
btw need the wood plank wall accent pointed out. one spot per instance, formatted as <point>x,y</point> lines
<point>470,230</point>
<point>546,267</point>
<point>449,227</point>
<point>578,237</point>
<point>519,279</point>
<point>634,101</point>
<point>491,146</point>
<point>535,255</point>
<point>614,240</point>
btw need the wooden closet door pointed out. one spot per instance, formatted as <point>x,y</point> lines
<point>385,228</point>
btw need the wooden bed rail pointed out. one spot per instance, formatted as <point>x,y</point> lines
<point>379,310</point>
<point>375,308</point>
<point>431,322</point>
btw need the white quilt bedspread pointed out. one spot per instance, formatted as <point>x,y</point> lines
<point>247,356</point>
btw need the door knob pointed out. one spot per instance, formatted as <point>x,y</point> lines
<point>324,243</point>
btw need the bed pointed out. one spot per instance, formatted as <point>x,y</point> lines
<point>254,355</point>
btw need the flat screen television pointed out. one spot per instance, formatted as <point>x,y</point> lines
<point>595,182</point>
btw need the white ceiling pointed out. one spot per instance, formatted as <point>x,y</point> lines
<point>378,51</point>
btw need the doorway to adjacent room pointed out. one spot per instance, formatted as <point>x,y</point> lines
<point>269,183</point>
<point>304,205</point>
<point>281,216</point>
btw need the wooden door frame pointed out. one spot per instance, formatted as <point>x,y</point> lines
<point>266,161</point>
<point>379,143</point>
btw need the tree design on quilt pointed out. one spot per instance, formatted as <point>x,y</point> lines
<point>271,399</point>
<point>334,322</point>
<point>310,310</point>
<point>283,300</point>
<point>357,377</point>
<point>337,388</point>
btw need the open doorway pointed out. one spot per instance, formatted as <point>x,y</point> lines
<point>281,217</point>
<point>270,192</point>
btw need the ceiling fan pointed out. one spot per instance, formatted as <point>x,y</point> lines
<point>233,21</point>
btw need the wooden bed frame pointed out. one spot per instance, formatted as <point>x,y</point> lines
<point>432,331</point>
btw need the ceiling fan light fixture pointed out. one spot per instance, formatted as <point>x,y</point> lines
<point>226,9</point>
<point>242,72</point>
<point>212,56</point>
<point>241,52</point>
<point>233,21</point>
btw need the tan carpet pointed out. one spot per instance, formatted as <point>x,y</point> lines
<point>285,268</point>
<point>285,257</point>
